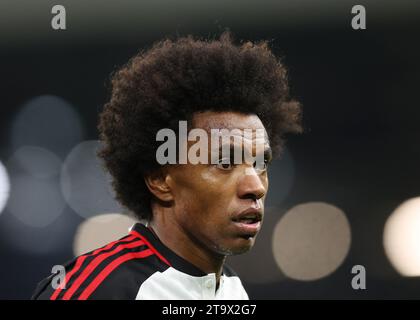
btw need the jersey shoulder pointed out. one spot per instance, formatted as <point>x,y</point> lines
<point>114,271</point>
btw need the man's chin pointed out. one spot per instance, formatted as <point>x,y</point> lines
<point>239,246</point>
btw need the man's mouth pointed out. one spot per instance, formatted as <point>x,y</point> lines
<point>248,221</point>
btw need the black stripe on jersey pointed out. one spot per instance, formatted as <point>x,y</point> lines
<point>124,284</point>
<point>101,266</point>
<point>44,289</point>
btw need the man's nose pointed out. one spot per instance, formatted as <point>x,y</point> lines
<point>251,187</point>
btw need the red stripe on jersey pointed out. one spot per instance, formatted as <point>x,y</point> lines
<point>95,263</point>
<point>82,258</point>
<point>150,246</point>
<point>111,267</point>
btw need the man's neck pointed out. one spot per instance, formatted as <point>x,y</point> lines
<point>176,239</point>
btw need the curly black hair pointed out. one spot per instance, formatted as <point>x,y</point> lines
<point>175,79</point>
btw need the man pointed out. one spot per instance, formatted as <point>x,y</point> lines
<point>195,214</point>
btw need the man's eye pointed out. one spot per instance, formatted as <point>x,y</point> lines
<point>224,164</point>
<point>263,166</point>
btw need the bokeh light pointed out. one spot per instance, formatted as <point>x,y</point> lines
<point>35,197</point>
<point>37,162</point>
<point>311,241</point>
<point>84,183</point>
<point>52,239</point>
<point>97,231</point>
<point>4,187</point>
<point>402,238</point>
<point>49,122</point>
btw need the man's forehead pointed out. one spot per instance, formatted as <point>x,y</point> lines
<point>209,120</point>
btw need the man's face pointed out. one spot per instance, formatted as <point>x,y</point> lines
<point>220,206</point>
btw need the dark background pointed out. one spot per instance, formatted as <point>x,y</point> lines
<point>359,91</point>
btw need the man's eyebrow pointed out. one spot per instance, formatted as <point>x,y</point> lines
<point>232,147</point>
<point>268,152</point>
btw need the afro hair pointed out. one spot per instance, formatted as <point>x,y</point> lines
<point>173,80</point>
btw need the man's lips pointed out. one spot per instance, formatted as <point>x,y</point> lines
<point>248,221</point>
<point>253,214</point>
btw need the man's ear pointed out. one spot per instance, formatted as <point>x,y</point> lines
<point>156,182</point>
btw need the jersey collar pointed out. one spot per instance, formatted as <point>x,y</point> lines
<point>167,254</point>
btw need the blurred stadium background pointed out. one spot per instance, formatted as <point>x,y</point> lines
<point>345,193</point>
